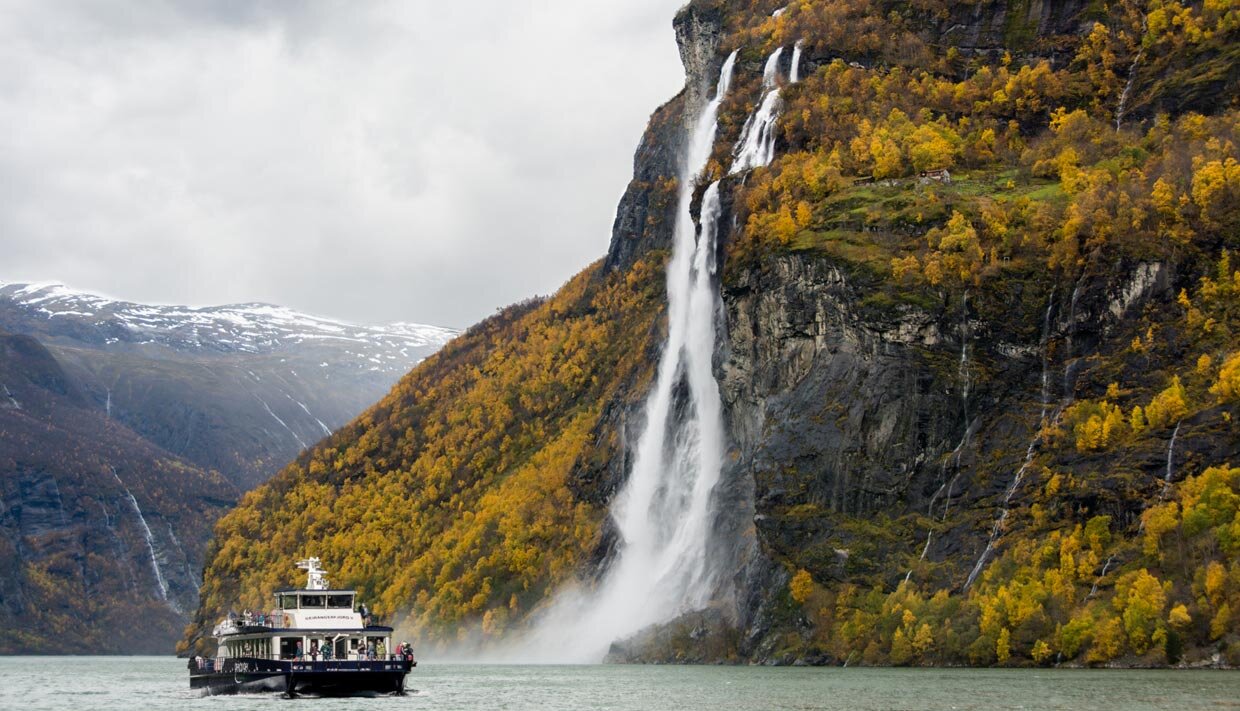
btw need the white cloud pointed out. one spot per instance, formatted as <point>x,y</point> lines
<point>372,161</point>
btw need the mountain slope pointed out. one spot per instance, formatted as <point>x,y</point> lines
<point>457,487</point>
<point>240,389</point>
<point>101,533</point>
<point>983,416</point>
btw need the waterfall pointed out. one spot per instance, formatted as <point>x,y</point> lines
<point>283,424</point>
<point>1093,590</point>
<point>964,374</point>
<point>664,512</point>
<point>185,565</point>
<point>1069,348</point>
<point>1044,342</point>
<point>1170,458</point>
<point>1030,451</point>
<point>756,146</point>
<point>794,74</point>
<point>1003,514</point>
<point>150,544</point>
<point>1132,76</point>
<point>12,404</point>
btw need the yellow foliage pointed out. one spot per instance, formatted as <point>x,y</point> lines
<point>1220,624</point>
<point>1003,646</point>
<point>801,586</point>
<point>449,501</point>
<point>1227,387</point>
<point>1158,521</point>
<point>1108,641</point>
<point>1041,651</point>
<point>1140,600</point>
<point>1168,406</point>
<point>1216,581</point>
<point>924,640</point>
<point>1179,617</point>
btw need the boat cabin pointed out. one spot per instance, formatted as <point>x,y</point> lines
<point>312,623</point>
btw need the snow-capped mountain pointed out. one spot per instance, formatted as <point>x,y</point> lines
<point>57,312</point>
<point>239,389</point>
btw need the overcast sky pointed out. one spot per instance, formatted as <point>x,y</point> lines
<point>418,160</point>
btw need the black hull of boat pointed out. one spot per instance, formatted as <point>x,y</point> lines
<point>343,678</point>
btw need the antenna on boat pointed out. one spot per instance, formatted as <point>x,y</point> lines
<point>316,577</point>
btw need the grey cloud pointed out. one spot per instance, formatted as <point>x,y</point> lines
<point>373,161</point>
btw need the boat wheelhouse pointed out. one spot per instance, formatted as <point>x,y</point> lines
<point>315,640</point>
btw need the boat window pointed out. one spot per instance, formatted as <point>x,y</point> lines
<point>288,602</point>
<point>313,600</point>
<point>288,647</point>
<point>340,601</point>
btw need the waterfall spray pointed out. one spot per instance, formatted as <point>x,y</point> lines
<point>664,513</point>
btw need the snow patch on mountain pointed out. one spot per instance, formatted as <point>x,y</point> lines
<point>233,328</point>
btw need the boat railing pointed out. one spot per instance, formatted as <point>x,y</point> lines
<point>214,665</point>
<point>206,664</point>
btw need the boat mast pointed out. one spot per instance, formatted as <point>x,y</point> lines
<point>316,576</point>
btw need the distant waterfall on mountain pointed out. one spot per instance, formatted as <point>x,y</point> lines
<point>160,581</point>
<point>664,512</point>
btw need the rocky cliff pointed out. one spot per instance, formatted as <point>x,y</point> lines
<point>977,355</point>
<point>101,532</point>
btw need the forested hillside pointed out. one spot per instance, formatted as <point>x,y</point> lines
<point>980,366</point>
<point>477,483</point>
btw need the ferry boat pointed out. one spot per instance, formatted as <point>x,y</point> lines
<point>317,641</point>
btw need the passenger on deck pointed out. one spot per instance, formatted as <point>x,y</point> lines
<point>299,653</point>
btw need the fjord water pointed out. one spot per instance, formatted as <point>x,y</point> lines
<point>114,683</point>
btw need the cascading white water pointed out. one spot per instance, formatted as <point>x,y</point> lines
<point>794,74</point>
<point>664,513</point>
<point>756,146</point>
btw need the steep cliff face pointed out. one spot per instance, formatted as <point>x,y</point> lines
<point>849,424</point>
<point>904,441</point>
<point>101,533</point>
<point>645,212</point>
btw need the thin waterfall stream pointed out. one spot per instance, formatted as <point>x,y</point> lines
<point>1030,451</point>
<point>150,545</point>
